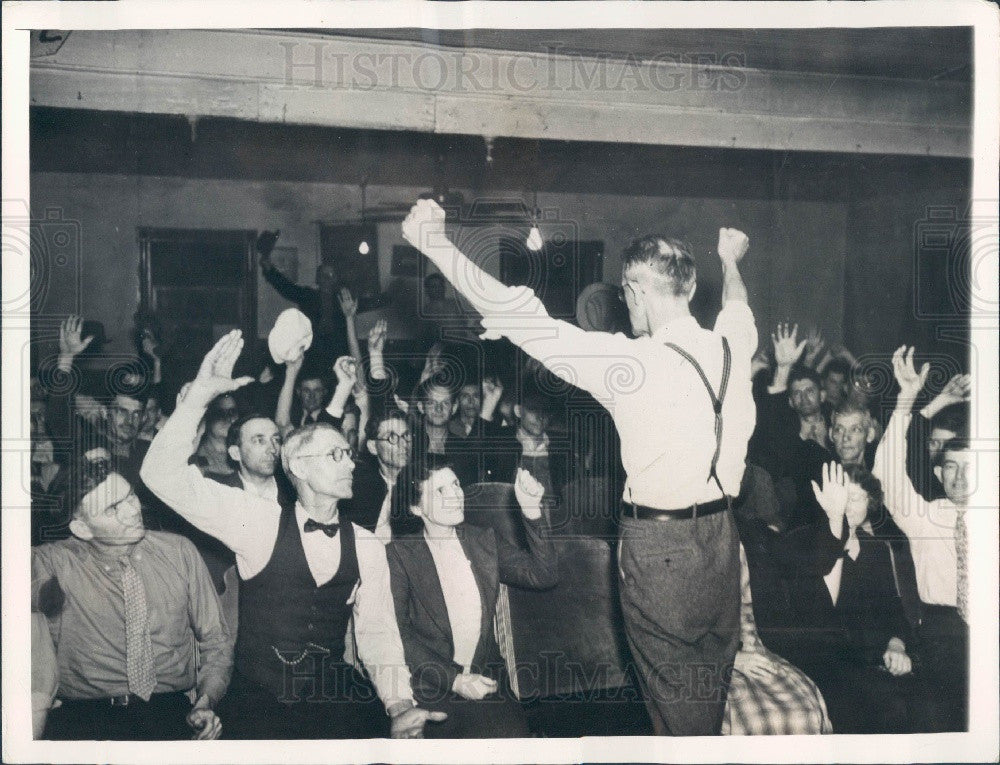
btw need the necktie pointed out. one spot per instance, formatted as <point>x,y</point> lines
<point>962,564</point>
<point>330,529</point>
<point>138,645</point>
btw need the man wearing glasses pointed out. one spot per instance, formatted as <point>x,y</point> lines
<point>303,574</point>
<point>681,401</point>
<point>389,446</point>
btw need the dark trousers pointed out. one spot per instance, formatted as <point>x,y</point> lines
<point>944,650</point>
<point>499,715</point>
<point>353,710</point>
<point>162,718</point>
<point>680,596</point>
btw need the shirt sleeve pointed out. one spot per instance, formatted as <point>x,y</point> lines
<point>593,361</point>
<point>289,290</point>
<point>735,322</point>
<point>215,650</point>
<point>378,642</point>
<point>908,509</point>
<point>245,523</point>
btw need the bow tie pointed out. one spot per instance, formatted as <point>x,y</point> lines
<point>330,529</point>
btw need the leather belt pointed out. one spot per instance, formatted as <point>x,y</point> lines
<point>643,513</point>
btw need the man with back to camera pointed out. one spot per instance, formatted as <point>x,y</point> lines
<point>679,552</point>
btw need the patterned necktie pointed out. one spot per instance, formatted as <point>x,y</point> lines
<point>962,564</point>
<point>138,644</point>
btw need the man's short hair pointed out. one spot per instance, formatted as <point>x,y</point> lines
<point>533,400</point>
<point>437,380</point>
<point>840,366</point>
<point>954,419</point>
<point>236,429</point>
<point>668,258</point>
<point>851,405</point>
<point>956,444</point>
<point>389,413</point>
<point>802,372</point>
<point>301,437</point>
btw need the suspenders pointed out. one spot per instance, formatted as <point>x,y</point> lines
<point>716,399</point>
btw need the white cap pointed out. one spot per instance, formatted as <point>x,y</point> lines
<point>290,336</point>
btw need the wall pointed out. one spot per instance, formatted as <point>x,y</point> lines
<point>795,269</point>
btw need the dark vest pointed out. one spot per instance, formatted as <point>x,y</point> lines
<point>290,629</point>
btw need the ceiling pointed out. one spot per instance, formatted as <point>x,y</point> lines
<point>921,53</point>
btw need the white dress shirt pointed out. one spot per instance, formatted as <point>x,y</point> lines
<point>248,525</point>
<point>659,403</point>
<point>461,596</point>
<point>929,526</point>
<point>383,531</point>
<point>267,490</point>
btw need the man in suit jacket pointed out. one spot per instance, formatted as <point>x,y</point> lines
<point>389,445</point>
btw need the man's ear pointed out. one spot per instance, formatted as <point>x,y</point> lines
<point>420,407</point>
<point>80,529</point>
<point>694,288</point>
<point>454,408</point>
<point>234,453</point>
<point>371,447</point>
<point>870,436</point>
<point>937,472</point>
<point>822,395</point>
<point>295,470</point>
<point>517,411</point>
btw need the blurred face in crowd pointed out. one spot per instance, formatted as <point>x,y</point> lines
<point>124,418</point>
<point>37,418</point>
<point>851,433</point>
<point>442,501</point>
<point>110,514</point>
<point>438,406</point>
<point>804,398</point>
<point>835,387</point>
<point>326,278</point>
<point>392,443</point>
<point>226,413</point>
<point>151,414</point>
<point>957,474</point>
<point>470,401</point>
<point>259,447</point>
<point>938,438</point>
<point>325,464</point>
<point>313,394</point>
<point>857,505</point>
<point>533,422</point>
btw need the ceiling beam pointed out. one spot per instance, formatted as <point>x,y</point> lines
<point>309,79</point>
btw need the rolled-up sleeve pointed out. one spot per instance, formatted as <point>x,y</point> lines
<point>380,647</point>
<point>736,323</point>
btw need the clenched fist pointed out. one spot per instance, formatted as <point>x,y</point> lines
<point>426,219</point>
<point>733,244</point>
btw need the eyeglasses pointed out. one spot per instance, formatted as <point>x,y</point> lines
<point>336,454</point>
<point>128,414</point>
<point>113,509</point>
<point>394,438</point>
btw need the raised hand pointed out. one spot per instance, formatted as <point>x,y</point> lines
<point>215,376</point>
<point>832,497</point>
<point>958,389</point>
<point>346,369</point>
<point>410,724</point>
<point>348,303</point>
<point>911,382</point>
<point>492,390</point>
<point>266,375</point>
<point>149,345</point>
<point>733,244</point>
<point>471,686</point>
<point>424,222</point>
<point>265,245</point>
<point>377,335</point>
<point>70,343</point>
<point>529,492</point>
<point>814,343</point>
<point>786,348</point>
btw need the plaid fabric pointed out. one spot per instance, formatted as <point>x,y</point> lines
<point>785,703</point>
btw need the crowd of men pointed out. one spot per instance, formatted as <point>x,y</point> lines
<point>223,571</point>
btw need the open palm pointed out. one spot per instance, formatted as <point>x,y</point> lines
<point>215,375</point>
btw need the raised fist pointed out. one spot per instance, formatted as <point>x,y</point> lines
<point>426,218</point>
<point>733,244</point>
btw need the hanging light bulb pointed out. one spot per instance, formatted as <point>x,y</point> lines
<point>534,240</point>
<point>363,248</point>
